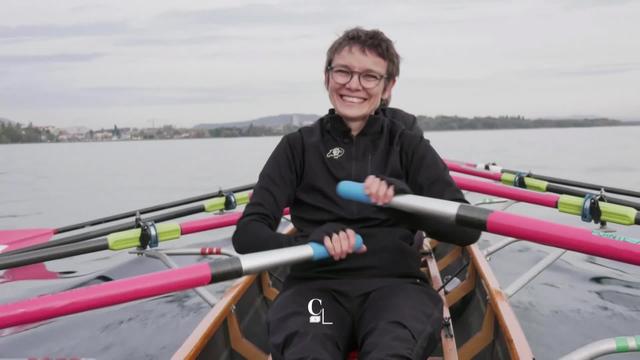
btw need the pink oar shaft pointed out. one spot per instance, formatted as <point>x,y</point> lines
<point>507,192</point>
<point>213,222</point>
<point>97,296</point>
<point>461,168</point>
<point>209,223</point>
<point>562,236</point>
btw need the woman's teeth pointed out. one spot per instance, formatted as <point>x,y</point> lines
<point>351,99</point>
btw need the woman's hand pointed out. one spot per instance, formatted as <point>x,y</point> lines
<point>341,244</point>
<point>378,190</point>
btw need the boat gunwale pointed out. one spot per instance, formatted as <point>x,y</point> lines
<point>213,319</point>
<point>516,340</point>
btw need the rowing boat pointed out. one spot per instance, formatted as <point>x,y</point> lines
<point>480,322</point>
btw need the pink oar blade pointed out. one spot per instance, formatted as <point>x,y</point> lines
<point>28,272</point>
<point>17,239</point>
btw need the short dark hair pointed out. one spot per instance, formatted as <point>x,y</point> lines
<point>367,40</point>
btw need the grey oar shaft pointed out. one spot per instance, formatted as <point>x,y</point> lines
<point>621,344</point>
<point>256,262</point>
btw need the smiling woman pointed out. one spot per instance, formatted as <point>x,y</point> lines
<point>375,298</point>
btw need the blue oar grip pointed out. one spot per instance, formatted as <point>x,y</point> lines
<point>352,190</point>
<point>320,252</point>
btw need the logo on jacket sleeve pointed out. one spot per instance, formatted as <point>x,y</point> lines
<point>335,153</point>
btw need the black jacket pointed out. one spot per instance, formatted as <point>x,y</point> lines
<point>302,173</point>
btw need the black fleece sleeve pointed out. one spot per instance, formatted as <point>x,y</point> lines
<point>274,191</point>
<point>429,176</point>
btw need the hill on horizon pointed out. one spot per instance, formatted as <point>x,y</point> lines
<point>275,121</point>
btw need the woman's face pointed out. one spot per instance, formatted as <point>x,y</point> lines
<point>352,101</point>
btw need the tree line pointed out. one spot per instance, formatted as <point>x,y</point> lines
<point>16,133</point>
<point>443,123</point>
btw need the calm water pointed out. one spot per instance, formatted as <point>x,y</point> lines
<point>576,301</point>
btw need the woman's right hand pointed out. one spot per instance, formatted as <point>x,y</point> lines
<point>378,190</point>
<point>341,244</point>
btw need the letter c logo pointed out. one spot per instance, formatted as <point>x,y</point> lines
<point>310,306</point>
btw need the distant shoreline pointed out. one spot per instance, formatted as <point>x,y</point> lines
<point>278,135</point>
<point>12,132</point>
<point>439,123</point>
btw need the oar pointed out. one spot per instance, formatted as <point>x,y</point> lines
<point>11,240</point>
<point>16,245</point>
<point>533,184</point>
<point>154,284</point>
<point>556,180</point>
<point>569,204</point>
<point>120,240</point>
<point>597,243</point>
<point>154,208</point>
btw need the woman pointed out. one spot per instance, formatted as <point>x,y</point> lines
<point>376,301</point>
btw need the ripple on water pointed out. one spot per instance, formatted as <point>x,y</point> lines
<point>605,280</point>
<point>629,301</point>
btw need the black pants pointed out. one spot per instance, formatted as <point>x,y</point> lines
<point>380,318</point>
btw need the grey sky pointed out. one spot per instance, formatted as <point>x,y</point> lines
<point>99,63</point>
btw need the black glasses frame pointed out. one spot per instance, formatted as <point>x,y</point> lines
<point>333,74</point>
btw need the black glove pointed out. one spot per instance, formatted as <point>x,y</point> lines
<point>327,229</point>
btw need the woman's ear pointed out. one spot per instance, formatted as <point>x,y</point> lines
<point>386,93</point>
<point>388,86</point>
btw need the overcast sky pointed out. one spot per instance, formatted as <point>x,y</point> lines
<point>138,63</point>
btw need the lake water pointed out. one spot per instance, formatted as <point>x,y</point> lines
<point>577,300</point>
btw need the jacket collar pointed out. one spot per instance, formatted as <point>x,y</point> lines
<point>337,126</point>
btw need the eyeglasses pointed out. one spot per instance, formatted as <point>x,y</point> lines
<point>342,76</point>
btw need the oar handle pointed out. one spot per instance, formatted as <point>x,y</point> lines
<point>320,252</point>
<point>352,190</point>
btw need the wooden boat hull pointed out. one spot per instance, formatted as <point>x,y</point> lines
<point>482,324</point>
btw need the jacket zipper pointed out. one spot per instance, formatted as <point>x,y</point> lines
<point>353,171</point>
